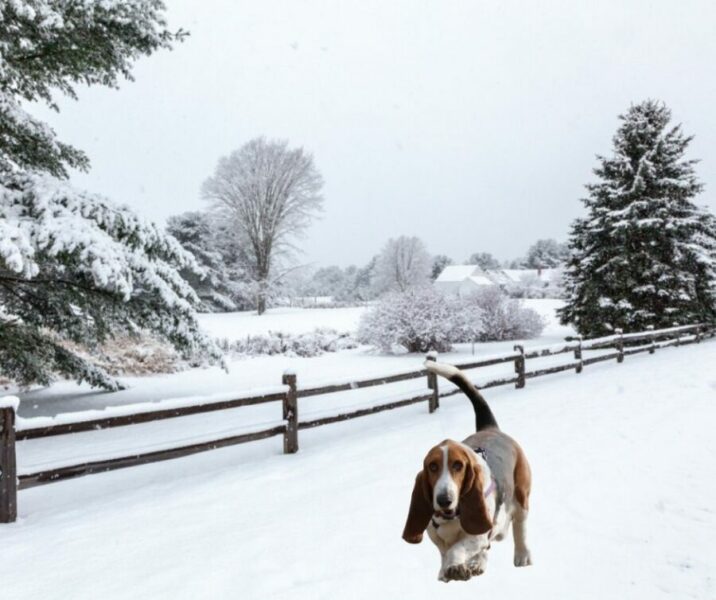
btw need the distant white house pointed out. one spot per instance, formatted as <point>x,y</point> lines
<point>508,276</point>
<point>462,280</point>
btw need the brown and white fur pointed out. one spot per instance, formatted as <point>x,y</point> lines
<point>455,499</point>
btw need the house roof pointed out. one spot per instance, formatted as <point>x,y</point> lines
<point>481,280</point>
<point>517,275</point>
<point>456,273</point>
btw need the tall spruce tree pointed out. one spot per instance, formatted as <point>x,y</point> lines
<point>645,253</point>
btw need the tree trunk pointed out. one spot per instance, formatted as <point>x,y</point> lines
<point>261,296</point>
<point>261,303</point>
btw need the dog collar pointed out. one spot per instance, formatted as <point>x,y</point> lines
<point>436,524</point>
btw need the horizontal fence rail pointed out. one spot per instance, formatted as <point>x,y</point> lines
<point>102,466</point>
<point>14,429</point>
<point>148,412</point>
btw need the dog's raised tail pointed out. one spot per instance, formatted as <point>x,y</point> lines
<point>484,419</point>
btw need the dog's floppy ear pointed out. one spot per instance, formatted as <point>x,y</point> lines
<point>474,517</point>
<point>420,511</point>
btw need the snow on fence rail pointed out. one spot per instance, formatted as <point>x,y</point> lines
<point>14,429</point>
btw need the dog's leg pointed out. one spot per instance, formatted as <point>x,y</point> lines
<point>441,572</point>
<point>522,553</point>
<point>458,563</point>
<point>478,563</point>
<point>442,547</point>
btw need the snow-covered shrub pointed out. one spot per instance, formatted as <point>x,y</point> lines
<point>314,343</point>
<point>419,319</point>
<point>133,355</point>
<point>529,286</point>
<point>504,318</point>
<point>532,286</point>
<point>308,303</point>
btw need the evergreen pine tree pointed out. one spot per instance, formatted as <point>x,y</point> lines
<point>222,284</point>
<point>645,253</point>
<point>74,266</point>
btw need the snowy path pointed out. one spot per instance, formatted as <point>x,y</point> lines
<point>624,504</point>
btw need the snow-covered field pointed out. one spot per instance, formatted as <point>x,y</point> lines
<point>286,320</point>
<point>624,504</point>
<point>264,371</point>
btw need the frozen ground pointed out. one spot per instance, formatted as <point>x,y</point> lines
<point>624,504</point>
<point>287,320</point>
<point>265,371</point>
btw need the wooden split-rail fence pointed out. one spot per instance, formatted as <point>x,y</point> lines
<point>288,394</point>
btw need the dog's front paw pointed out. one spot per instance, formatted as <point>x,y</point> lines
<point>478,563</point>
<point>523,558</point>
<point>459,572</point>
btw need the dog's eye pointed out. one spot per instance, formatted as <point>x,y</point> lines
<point>433,467</point>
<point>457,466</point>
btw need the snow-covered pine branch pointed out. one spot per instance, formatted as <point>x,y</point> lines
<point>77,267</point>
<point>49,46</point>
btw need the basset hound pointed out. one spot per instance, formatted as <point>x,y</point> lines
<point>469,492</point>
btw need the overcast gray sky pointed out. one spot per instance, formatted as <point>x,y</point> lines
<point>471,124</point>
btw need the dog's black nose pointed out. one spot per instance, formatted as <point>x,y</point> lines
<point>444,500</point>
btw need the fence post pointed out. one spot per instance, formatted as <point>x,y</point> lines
<point>620,345</point>
<point>290,414</point>
<point>520,366</point>
<point>434,400</point>
<point>698,334</point>
<point>578,355</point>
<point>8,466</point>
<point>678,336</point>
<point>652,349</point>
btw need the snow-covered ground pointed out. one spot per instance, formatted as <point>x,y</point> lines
<point>287,320</point>
<point>265,371</point>
<point>623,506</point>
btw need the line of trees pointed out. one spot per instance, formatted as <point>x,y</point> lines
<point>543,254</point>
<point>231,281</point>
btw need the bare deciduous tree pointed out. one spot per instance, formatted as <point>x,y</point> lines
<point>271,193</point>
<point>403,263</point>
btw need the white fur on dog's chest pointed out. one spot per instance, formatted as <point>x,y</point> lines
<point>448,532</point>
